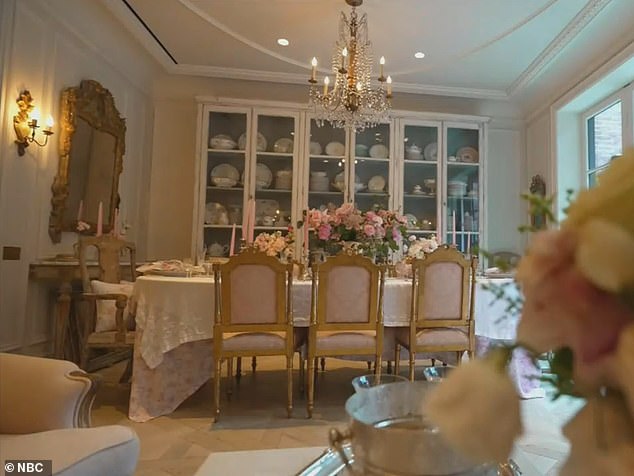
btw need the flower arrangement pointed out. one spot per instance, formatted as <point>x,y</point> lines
<point>417,247</point>
<point>578,286</point>
<point>276,244</point>
<point>376,231</point>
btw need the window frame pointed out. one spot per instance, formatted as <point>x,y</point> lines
<point>625,96</point>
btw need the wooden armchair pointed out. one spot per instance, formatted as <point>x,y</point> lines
<point>253,315</point>
<point>346,313</point>
<point>443,287</point>
<point>108,317</point>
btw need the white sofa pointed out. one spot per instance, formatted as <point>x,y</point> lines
<point>45,414</point>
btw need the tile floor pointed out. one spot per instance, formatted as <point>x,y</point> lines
<point>255,419</point>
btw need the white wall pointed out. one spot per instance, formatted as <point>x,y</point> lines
<point>46,47</point>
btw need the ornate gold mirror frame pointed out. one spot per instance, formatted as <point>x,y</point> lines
<point>94,105</point>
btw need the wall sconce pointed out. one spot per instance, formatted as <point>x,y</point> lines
<point>25,123</point>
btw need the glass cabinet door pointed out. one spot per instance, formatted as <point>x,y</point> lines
<point>372,173</point>
<point>273,144</point>
<point>420,177</point>
<point>463,186</point>
<point>326,171</point>
<point>225,193</point>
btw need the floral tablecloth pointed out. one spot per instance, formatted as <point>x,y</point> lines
<point>174,328</point>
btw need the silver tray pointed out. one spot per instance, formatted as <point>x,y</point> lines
<point>329,463</point>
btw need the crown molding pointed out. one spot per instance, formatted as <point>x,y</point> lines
<point>298,78</point>
<point>563,39</point>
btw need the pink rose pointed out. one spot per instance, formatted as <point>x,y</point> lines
<point>396,235</point>
<point>379,232</point>
<point>324,231</point>
<point>369,230</point>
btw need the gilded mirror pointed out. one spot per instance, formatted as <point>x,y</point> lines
<point>92,144</point>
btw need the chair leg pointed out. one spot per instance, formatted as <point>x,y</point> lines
<point>310,382</point>
<point>127,373</point>
<point>238,369</point>
<point>254,363</point>
<point>289,377</point>
<point>323,364</point>
<point>433,362</point>
<point>229,378</point>
<point>459,357</point>
<point>302,375</point>
<point>217,378</point>
<point>389,366</point>
<point>369,365</point>
<point>412,363</point>
<point>397,358</point>
<point>378,362</point>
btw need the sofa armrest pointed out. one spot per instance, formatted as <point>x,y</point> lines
<point>38,394</point>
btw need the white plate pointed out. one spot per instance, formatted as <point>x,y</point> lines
<point>283,145</point>
<point>378,151</point>
<point>376,184</point>
<point>222,141</point>
<point>335,148</point>
<point>216,214</point>
<point>315,148</point>
<point>263,176</point>
<point>226,171</point>
<point>260,146</point>
<point>467,154</point>
<point>431,151</point>
<point>266,207</point>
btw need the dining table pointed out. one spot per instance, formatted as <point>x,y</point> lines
<point>173,354</point>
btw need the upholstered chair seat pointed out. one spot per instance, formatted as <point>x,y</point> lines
<point>354,340</point>
<point>45,414</point>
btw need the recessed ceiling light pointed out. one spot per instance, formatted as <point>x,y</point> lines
<point>419,55</point>
<point>282,42</point>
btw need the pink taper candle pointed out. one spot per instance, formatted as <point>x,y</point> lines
<point>100,219</point>
<point>80,212</point>
<point>115,228</point>
<point>306,238</point>
<point>453,220</point>
<point>245,221</point>
<point>252,222</point>
<point>232,245</point>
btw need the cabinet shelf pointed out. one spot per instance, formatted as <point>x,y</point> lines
<point>228,227</point>
<point>421,162</point>
<point>418,195</point>
<point>459,232</point>
<point>372,194</point>
<point>226,151</point>
<point>225,189</point>
<point>463,164</point>
<point>371,159</point>
<point>462,198</point>
<point>328,157</point>
<point>272,190</point>
<point>271,228</point>
<point>276,155</point>
<point>313,192</point>
<point>418,230</point>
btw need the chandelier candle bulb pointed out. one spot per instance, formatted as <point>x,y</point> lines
<point>344,55</point>
<point>326,83</point>
<point>313,73</point>
<point>381,70</point>
<point>389,86</point>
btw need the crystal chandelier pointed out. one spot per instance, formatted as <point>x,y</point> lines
<point>353,102</point>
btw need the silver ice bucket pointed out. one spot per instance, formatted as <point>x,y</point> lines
<point>389,435</point>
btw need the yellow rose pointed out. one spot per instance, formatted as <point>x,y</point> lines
<point>612,199</point>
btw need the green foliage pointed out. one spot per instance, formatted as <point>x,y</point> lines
<point>561,376</point>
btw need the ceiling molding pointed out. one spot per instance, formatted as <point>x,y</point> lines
<point>298,78</point>
<point>563,39</point>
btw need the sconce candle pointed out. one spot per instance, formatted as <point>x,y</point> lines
<point>80,212</point>
<point>25,123</point>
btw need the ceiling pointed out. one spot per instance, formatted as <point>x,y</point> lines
<point>473,48</point>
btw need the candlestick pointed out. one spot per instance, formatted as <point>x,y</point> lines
<point>233,240</point>
<point>245,221</point>
<point>100,219</point>
<point>80,212</point>
<point>468,244</point>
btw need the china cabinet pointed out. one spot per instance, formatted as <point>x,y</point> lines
<point>429,167</point>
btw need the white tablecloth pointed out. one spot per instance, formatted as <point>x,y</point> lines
<point>174,329</point>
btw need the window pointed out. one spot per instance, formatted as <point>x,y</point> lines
<point>605,139</point>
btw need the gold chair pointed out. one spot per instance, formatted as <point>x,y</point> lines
<point>443,287</point>
<point>346,313</point>
<point>109,322</point>
<point>253,315</point>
